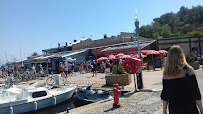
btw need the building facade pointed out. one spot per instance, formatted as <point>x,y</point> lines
<point>188,44</point>
<point>89,43</point>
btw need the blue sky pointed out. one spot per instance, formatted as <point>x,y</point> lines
<point>28,26</point>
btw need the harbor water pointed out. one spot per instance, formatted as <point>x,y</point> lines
<point>62,107</point>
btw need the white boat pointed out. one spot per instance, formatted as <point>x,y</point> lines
<point>16,100</point>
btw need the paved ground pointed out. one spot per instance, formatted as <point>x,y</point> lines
<point>143,102</point>
<point>149,77</point>
<point>146,101</point>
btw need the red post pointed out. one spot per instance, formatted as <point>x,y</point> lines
<point>116,93</point>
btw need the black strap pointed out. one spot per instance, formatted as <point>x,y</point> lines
<point>187,72</point>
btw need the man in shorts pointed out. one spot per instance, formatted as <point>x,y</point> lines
<point>94,68</point>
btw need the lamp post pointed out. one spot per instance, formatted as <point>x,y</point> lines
<point>139,75</point>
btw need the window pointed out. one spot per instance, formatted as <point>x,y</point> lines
<point>85,46</point>
<point>39,94</point>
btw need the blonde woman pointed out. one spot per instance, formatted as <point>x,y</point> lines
<point>180,87</point>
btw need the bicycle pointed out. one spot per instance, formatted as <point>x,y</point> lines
<point>51,80</point>
<point>4,75</point>
<point>17,76</point>
<point>33,75</point>
<point>25,76</point>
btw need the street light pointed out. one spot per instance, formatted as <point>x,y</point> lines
<point>139,75</point>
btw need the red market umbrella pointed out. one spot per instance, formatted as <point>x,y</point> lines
<point>110,57</point>
<point>119,55</point>
<point>163,52</point>
<point>144,56</point>
<point>137,56</point>
<point>145,51</point>
<point>125,56</point>
<point>152,52</point>
<point>102,58</point>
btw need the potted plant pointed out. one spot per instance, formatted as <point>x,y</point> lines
<point>191,61</point>
<point>118,76</point>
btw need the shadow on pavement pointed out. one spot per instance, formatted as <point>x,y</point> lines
<point>129,94</point>
<point>109,110</point>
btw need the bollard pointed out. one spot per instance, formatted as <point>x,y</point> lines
<point>54,100</point>
<point>122,93</point>
<point>68,108</point>
<point>35,106</point>
<point>116,93</point>
<point>11,110</point>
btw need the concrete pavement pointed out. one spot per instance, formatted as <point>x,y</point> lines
<point>131,101</point>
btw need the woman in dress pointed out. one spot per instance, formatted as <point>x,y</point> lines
<point>180,87</point>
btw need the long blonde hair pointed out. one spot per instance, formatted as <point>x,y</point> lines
<point>175,62</point>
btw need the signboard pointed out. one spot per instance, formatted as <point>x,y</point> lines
<point>157,63</point>
<point>150,65</point>
<point>55,59</point>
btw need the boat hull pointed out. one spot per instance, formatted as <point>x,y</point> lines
<point>23,106</point>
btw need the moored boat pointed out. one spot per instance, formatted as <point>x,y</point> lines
<point>19,100</point>
<point>86,95</point>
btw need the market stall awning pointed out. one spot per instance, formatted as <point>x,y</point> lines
<point>71,53</point>
<point>127,48</point>
<point>43,57</point>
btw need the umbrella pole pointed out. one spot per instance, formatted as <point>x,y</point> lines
<point>161,60</point>
<point>153,61</point>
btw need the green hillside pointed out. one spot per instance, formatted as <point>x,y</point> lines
<point>186,22</point>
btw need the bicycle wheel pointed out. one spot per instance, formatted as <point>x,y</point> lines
<point>4,76</point>
<point>20,78</point>
<point>50,80</point>
<point>63,79</point>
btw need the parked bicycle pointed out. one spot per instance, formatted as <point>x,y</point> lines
<point>26,76</point>
<point>51,80</point>
<point>3,75</point>
<point>18,77</point>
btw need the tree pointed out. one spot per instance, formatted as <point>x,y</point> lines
<point>182,14</point>
<point>165,19</point>
<point>166,33</point>
<point>146,31</point>
<point>166,48</point>
<point>34,54</point>
<point>155,35</point>
<point>175,24</point>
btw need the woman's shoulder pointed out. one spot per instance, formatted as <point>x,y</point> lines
<point>190,70</point>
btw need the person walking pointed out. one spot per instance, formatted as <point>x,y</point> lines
<point>94,68</point>
<point>81,67</point>
<point>88,66</point>
<point>180,87</point>
<point>66,70</point>
<point>72,69</point>
<point>41,70</point>
<point>15,71</point>
<point>61,69</point>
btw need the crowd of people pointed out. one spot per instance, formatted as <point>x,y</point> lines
<point>16,70</point>
<point>67,69</point>
<point>197,56</point>
<point>88,66</point>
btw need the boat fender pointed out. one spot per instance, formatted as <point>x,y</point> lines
<point>54,98</point>
<point>11,110</point>
<point>35,106</point>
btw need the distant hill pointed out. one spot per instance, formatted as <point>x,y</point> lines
<point>186,22</point>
